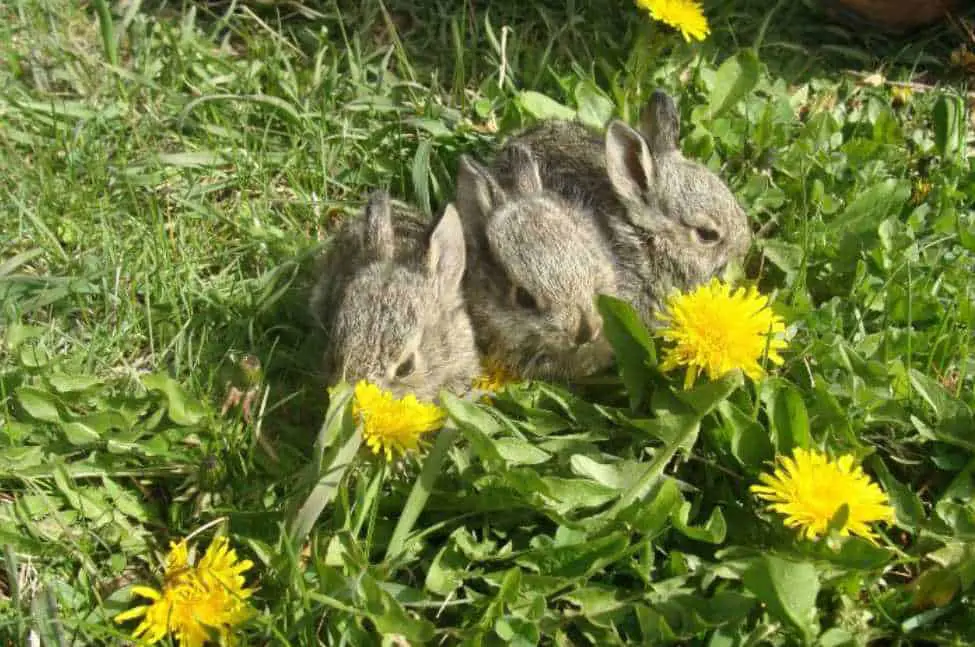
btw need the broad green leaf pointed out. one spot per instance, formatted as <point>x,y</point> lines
<point>421,175</point>
<point>654,627</point>
<point>749,441</point>
<point>668,427</point>
<point>949,126</point>
<point>908,508</point>
<point>787,588</point>
<point>653,516</point>
<point>933,393</point>
<point>684,438</point>
<point>787,415</point>
<point>837,637</point>
<point>577,560</point>
<point>854,553</point>
<point>17,333</point>
<point>704,397</point>
<point>39,404</point>
<point>712,532</point>
<point>78,433</point>
<point>576,493</point>
<point>183,408</point>
<point>960,557</point>
<point>389,616</point>
<point>871,206</point>
<point>734,80</point>
<point>73,383</point>
<point>635,354</point>
<point>447,570</point>
<point>617,474</point>
<point>102,422</point>
<point>519,452</point>
<point>594,107</point>
<point>787,256</point>
<point>936,587</point>
<point>507,594</point>
<point>540,106</point>
<point>478,426</point>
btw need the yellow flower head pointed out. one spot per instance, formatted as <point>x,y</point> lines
<point>195,603</point>
<point>494,376</point>
<point>809,490</point>
<point>683,15</point>
<point>716,330</point>
<point>390,425</point>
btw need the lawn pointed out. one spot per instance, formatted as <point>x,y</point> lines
<point>168,176</point>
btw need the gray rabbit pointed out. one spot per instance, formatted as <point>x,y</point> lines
<point>535,265</point>
<point>670,221</point>
<point>389,298</point>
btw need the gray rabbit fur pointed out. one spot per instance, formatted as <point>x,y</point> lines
<point>535,265</point>
<point>671,222</point>
<point>390,301</point>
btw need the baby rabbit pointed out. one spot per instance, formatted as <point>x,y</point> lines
<point>389,299</point>
<point>535,265</point>
<point>670,221</point>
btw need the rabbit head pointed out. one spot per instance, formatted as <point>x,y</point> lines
<point>536,264</point>
<point>403,326</point>
<point>685,217</point>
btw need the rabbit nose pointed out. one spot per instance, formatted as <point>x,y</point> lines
<point>590,325</point>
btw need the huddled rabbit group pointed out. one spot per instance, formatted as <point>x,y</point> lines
<point>512,267</point>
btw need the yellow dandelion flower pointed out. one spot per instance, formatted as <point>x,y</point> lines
<point>196,603</point>
<point>717,330</point>
<point>687,16</point>
<point>809,489</point>
<point>392,426</point>
<point>494,376</point>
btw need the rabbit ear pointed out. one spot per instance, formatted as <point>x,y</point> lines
<point>478,193</point>
<point>378,233</point>
<point>628,163</point>
<point>523,168</point>
<point>447,254</point>
<point>660,123</point>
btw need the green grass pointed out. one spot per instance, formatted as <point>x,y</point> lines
<point>158,218</point>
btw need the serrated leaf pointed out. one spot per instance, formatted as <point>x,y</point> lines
<point>787,588</point>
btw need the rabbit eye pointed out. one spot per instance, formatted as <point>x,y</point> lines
<point>707,235</point>
<point>406,368</point>
<point>524,299</point>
